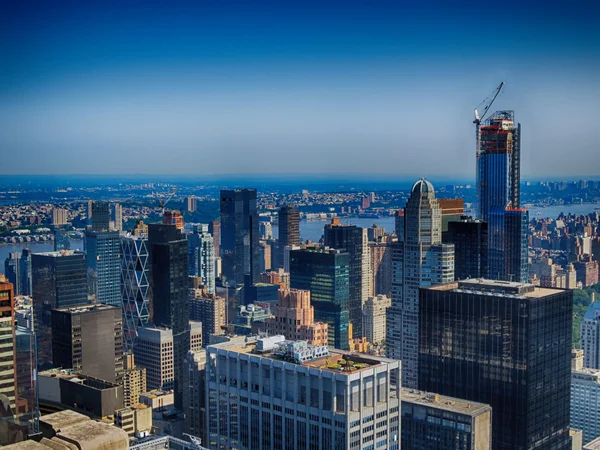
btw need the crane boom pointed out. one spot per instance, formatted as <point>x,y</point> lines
<point>163,204</point>
<point>488,103</point>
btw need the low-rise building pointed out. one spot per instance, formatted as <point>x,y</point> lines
<point>436,421</point>
<point>158,400</point>
<point>135,421</point>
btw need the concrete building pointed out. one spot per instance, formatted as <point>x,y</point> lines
<point>374,318</point>
<point>59,216</point>
<point>89,340</point>
<point>289,230</point>
<point>295,318</point>
<point>192,204</point>
<point>420,259</point>
<point>594,445</point>
<point>503,344</point>
<point>135,421</point>
<point>59,281</point>
<point>7,349</point>
<point>271,393</point>
<point>209,309</point>
<point>590,337</point>
<point>194,402</point>
<point>380,253</point>
<point>134,381</point>
<point>444,423</point>
<point>172,217</point>
<point>117,217</point>
<point>154,351</point>
<point>158,399</point>
<point>576,359</point>
<point>585,402</point>
<point>91,396</point>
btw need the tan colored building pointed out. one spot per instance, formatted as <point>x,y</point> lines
<point>134,382</point>
<point>135,421</point>
<point>158,399</point>
<point>210,310</point>
<point>295,318</point>
<point>381,267</point>
<point>374,318</point>
<point>576,359</point>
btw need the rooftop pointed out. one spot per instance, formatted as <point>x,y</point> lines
<point>301,353</point>
<point>444,403</point>
<point>592,445</point>
<point>86,308</point>
<point>60,253</point>
<point>497,288</point>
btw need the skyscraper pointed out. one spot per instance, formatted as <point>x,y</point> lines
<point>590,337</point>
<point>349,238</point>
<point>374,318</point>
<point>103,249</point>
<point>117,217</point>
<point>59,281</point>
<point>194,402</point>
<point>470,239</point>
<point>89,340</point>
<point>209,309</point>
<point>172,217</point>
<point>100,216</point>
<point>504,344</point>
<point>201,256</point>
<point>17,268</point>
<point>59,216</point>
<point>240,237</point>
<point>498,195</point>
<point>289,230</point>
<point>420,260</point>
<point>214,228</point>
<point>585,396</point>
<point>326,274</point>
<point>7,343</point>
<point>136,294</point>
<point>169,262</point>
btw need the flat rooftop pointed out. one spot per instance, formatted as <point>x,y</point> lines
<point>60,253</point>
<point>86,308</point>
<point>444,403</point>
<point>338,361</point>
<point>493,287</point>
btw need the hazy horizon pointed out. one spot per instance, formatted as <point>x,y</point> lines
<point>264,88</point>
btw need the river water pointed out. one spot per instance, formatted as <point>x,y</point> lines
<point>37,247</point>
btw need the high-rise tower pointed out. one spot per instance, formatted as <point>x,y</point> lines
<point>419,260</point>
<point>201,259</point>
<point>240,247</point>
<point>289,230</point>
<point>498,194</point>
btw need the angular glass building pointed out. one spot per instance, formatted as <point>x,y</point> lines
<point>326,274</point>
<point>498,195</point>
<point>504,344</point>
<point>104,266</point>
<point>136,294</point>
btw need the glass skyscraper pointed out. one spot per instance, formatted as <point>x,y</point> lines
<point>240,249</point>
<point>420,259</point>
<point>17,268</point>
<point>498,196</point>
<point>504,344</point>
<point>326,274</point>
<point>103,250</point>
<point>201,256</point>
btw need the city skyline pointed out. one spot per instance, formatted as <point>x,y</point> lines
<point>158,89</point>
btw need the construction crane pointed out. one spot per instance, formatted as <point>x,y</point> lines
<point>163,203</point>
<point>487,104</point>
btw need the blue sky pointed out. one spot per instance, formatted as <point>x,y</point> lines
<point>211,87</point>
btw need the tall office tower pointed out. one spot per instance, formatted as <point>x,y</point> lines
<point>399,225</point>
<point>117,217</point>
<point>380,253</point>
<point>194,402</point>
<point>59,216</point>
<point>134,381</point>
<point>295,318</point>
<point>201,256</point>
<point>26,403</point>
<point>169,265</point>
<point>420,260</point>
<point>7,343</point>
<point>445,423</point>
<point>505,344</point>
<point>61,240</point>
<point>172,217</point>
<point>89,340</point>
<point>17,268</point>
<point>59,281</point>
<point>136,295</point>
<point>214,228</point>
<point>240,250</point>
<point>470,239</point>
<point>585,397</point>
<point>326,274</point>
<point>265,256</point>
<point>103,250</point>
<point>261,395</point>
<point>192,204</point>
<point>289,229</point>
<point>349,238</point>
<point>498,196</point>
<point>576,359</point>
<point>375,232</point>
<point>265,230</point>
<point>100,217</point>
<point>155,350</point>
<point>374,318</point>
<point>89,211</point>
<point>590,337</point>
<point>366,273</point>
<point>211,310</point>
